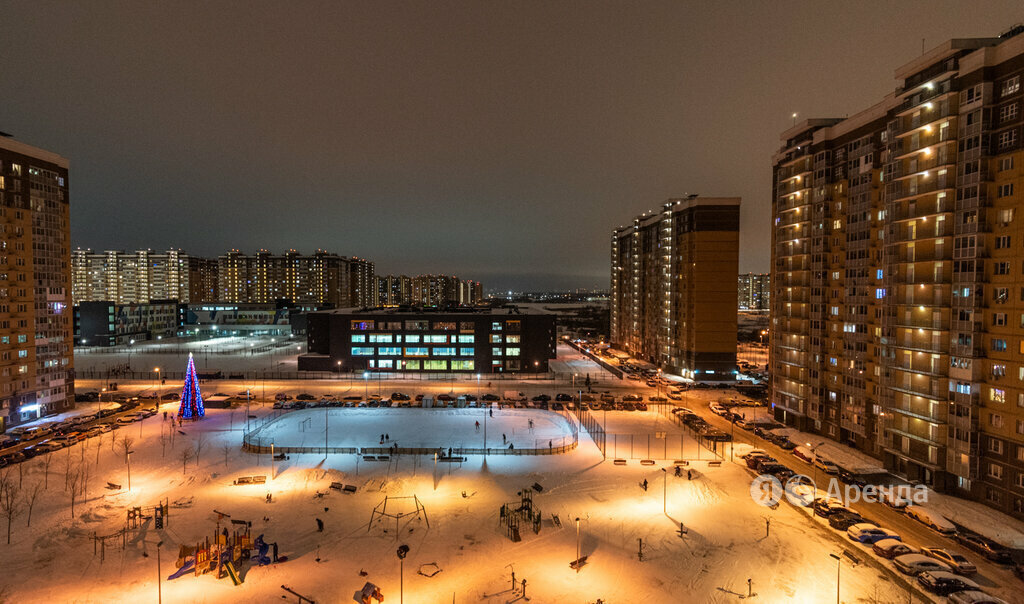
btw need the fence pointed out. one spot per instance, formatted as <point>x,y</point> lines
<point>254,375</point>
<point>596,431</point>
<point>253,442</point>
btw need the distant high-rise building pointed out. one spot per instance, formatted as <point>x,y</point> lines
<point>753,291</point>
<point>674,287</point>
<point>896,274</point>
<point>36,364</point>
<point>141,276</point>
<point>322,278</point>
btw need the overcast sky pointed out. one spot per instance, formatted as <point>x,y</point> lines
<point>496,141</point>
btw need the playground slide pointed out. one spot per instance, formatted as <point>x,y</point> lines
<point>189,566</point>
<point>233,573</point>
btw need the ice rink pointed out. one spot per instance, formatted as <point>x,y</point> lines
<point>417,428</point>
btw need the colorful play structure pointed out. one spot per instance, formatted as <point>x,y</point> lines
<point>512,514</point>
<point>191,399</point>
<point>224,552</point>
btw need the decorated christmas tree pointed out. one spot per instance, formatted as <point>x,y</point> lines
<point>191,399</point>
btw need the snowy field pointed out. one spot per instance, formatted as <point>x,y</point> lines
<point>417,428</point>
<point>53,559</point>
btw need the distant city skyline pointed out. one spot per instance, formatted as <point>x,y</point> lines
<point>499,142</point>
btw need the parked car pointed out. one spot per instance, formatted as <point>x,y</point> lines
<point>845,519</point>
<point>960,564</point>
<point>932,519</point>
<point>973,596</point>
<point>826,466</point>
<point>890,497</point>
<point>914,564</point>
<point>48,445</point>
<point>981,545</point>
<point>124,420</point>
<point>281,396</point>
<point>869,533</point>
<point>170,396</point>
<point>804,454</point>
<point>826,506</point>
<point>754,460</point>
<point>944,583</point>
<point>632,398</point>
<point>489,397</point>
<point>890,548</point>
<point>14,457</point>
<point>563,397</point>
<point>305,397</point>
<point>717,408</point>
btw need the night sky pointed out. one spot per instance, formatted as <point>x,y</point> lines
<point>496,141</point>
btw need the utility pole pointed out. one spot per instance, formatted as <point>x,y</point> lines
<point>839,564</point>
<point>159,587</point>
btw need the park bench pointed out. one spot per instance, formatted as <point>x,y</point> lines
<point>714,464</point>
<point>345,488</point>
<point>113,487</point>
<point>555,519</point>
<point>376,458</point>
<point>537,487</point>
<point>619,462</point>
<point>250,480</point>
<point>647,462</point>
<point>451,458</point>
<point>680,462</point>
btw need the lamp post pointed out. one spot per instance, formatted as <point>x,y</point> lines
<point>839,565</point>
<point>366,385</point>
<point>664,493</point>
<point>130,343</point>
<point>577,544</point>
<point>159,587</point>
<point>156,386</point>
<point>99,403</point>
<point>401,552</point>
<point>128,460</point>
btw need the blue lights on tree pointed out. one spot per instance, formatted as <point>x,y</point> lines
<point>191,399</point>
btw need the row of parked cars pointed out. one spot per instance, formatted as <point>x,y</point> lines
<point>937,570</point>
<point>56,436</point>
<point>699,426</point>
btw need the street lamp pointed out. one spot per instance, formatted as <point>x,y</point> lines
<point>401,552</point>
<point>156,386</point>
<point>839,564</point>
<point>130,343</point>
<point>664,493</point>
<point>578,544</point>
<point>159,587</point>
<point>366,385</point>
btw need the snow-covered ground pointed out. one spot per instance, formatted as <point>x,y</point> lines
<point>53,560</point>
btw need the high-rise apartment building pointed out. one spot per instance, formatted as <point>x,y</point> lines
<point>321,278</point>
<point>140,276</point>
<point>674,282</point>
<point>754,291</point>
<point>36,361</point>
<point>898,274</point>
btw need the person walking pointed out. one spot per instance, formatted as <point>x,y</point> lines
<point>491,411</point>
<point>644,484</point>
<point>387,437</point>
<point>382,439</point>
<point>503,439</point>
<point>319,525</point>
<point>524,589</point>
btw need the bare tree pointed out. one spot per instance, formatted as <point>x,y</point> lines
<point>47,459</point>
<point>74,481</point>
<point>68,466</point>
<point>186,456</point>
<point>30,500</point>
<point>125,444</point>
<point>201,439</point>
<point>10,502</point>
<point>163,442</point>
<point>99,446</point>
<point>227,453</point>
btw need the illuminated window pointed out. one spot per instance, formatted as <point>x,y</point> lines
<point>362,351</point>
<point>512,352</point>
<point>417,352</point>
<point>412,339</point>
<point>495,338</point>
<point>362,325</point>
<point>496,351</point>
<point>462,364</point>
<point>444,352</point>
<point>381,338</point>
<point>435,365</point>
<point>358,337</point>
<point>513,325</point>
<point>512,339</point>
<point>466,339</point>
<point>411,365</point>
<point>389,351</point>
<point>466,352</point>
<point>444,325</point>
<point>496,326</point>
<point>435,339</point>
<point>997,395</point>
<point>416,325</point>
